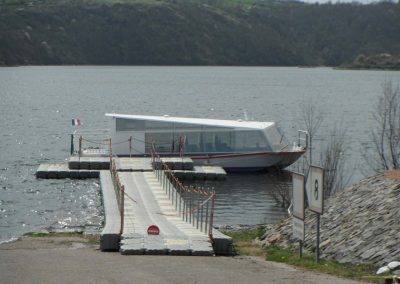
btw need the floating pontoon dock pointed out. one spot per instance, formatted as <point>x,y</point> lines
<point>140,192</point>
<point>90,167</point>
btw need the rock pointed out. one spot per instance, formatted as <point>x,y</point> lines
<point>325,243</point>
<point>274,238</point>
<point>360,224</point>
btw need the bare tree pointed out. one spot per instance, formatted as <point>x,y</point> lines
<point>281,187</point>
<point>333,158</point>
<point>386,134</point>
<point>312,118</point>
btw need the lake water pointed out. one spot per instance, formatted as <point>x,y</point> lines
<point>37,104</point>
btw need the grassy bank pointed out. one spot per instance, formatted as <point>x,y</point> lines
<point>244,245</point>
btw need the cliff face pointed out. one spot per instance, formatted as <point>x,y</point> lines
<point>194,33</point>
<point>361,224</point>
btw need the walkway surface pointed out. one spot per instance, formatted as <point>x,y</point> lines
<point>147,204</point>
<point>57,260</point>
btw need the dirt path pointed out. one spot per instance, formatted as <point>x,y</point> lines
<point>77,260</point>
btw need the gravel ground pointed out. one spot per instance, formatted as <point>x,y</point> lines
<point>69,259</point>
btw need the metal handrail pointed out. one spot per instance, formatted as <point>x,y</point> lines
<point>91,131</point>
<point>195,205</point>
<point>302,135</point>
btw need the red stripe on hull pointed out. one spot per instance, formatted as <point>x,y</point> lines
<point>219,156</point>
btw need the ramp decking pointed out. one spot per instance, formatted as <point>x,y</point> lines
<point>147,204</point>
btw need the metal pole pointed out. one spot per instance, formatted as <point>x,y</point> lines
<point>176,193</point>
<point>317,248</point>
<point>300,249</point>
<point>212,214</point>
<point>201,216</point>
<point>72,144</point>
<point>180,198</point>
<point>110,149</point>
<point>122,207</point>
<point>198,211</point>
<point>206,222</point>
<point>190,206</point>
<point>80,146</point>
<point>130,146</point>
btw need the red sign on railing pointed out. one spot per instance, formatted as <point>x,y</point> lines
<point>153,230</point>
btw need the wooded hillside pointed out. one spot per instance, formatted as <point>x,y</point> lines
<point>184,32</point>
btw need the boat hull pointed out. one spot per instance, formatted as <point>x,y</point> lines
<point>249,161</point>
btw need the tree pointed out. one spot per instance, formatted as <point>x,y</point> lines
<point>312,118</point>
<point>281,187</point>
<point>386,134</point>
<point>333,161</point>
<point>332,156</point>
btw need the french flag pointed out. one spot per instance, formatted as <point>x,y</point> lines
<point>76,121</point>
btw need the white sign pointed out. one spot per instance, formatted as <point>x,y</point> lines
<point>298,229</point>
<point>298,195</point>
<point>315,189</point>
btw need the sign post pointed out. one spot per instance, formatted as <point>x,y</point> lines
<point>298,209</point>
<point>315,197</point>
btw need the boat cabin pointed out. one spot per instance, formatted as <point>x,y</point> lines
<point>192,136</point>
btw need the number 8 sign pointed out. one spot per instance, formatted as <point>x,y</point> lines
<point>315,189</point>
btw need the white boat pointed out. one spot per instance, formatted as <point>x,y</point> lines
<point>235,145</point>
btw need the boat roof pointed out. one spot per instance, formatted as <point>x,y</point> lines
<point>199,121</point>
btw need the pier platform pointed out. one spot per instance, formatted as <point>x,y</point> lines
<point>150,197</point>
<point>90,167</point>
<point>62,171</point>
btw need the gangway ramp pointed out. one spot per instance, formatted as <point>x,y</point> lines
<point>147,203</point>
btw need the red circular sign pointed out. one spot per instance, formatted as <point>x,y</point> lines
<point>153,230</point>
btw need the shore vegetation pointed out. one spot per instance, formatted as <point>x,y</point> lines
<point>245,244</point>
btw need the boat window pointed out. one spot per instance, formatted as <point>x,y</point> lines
<point>129,125</point>
<point>210,141</point>
<point>158,125</point>
<point>207,141</point>
<point>163,142</point>
<point>251,140</point>
<point>192,141</point>
<point>275,138</point>
<point>187,127</point>
<point>224,141</point>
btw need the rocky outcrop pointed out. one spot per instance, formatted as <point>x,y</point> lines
<point>360,225</point>
<point>384,61</point>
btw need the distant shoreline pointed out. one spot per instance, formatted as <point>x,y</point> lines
<point>382,61</point>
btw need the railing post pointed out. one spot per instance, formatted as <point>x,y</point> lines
<point>185,204</point>
<point>212,214</point>
<point>180,198</point>
<point>130,147</point>
<point>122,208</point>
<point>206,222</point>
<point>72,144</point>
<point>80,146</point>
<point>201,216</point>
<point>198,210</point>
